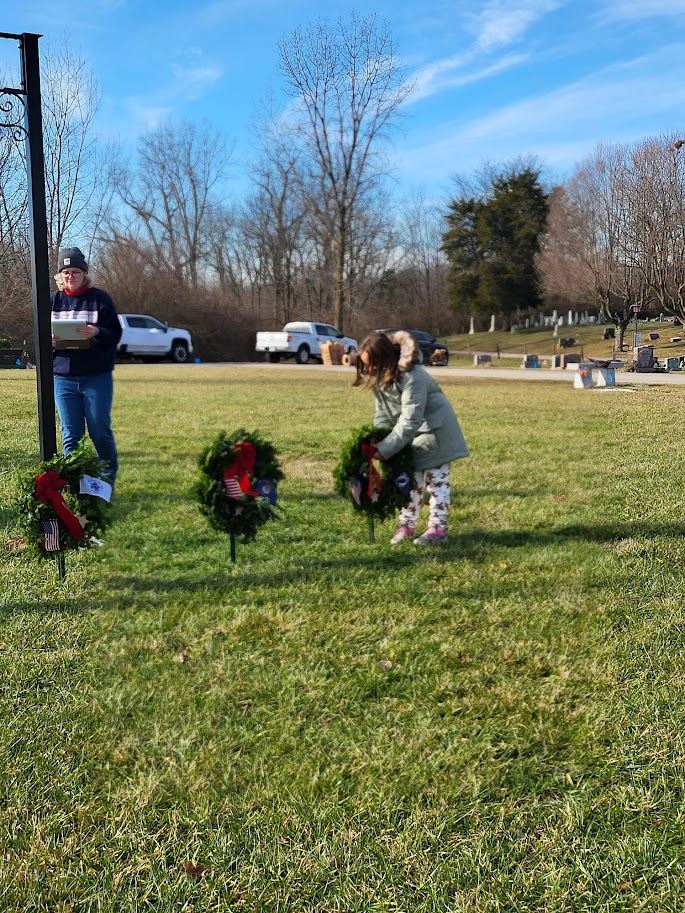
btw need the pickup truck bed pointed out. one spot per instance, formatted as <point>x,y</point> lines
<point>300,340</point>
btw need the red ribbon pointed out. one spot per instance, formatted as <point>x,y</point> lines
<point>243,468</point>
<point>48,490</point>
<point>375,484</point>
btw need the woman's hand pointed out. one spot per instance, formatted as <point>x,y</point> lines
<point>56,343</point>
<point>88,331</point>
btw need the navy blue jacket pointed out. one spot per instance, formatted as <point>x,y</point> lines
<point>98,308</point>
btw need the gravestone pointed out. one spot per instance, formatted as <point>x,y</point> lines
<point>606,377</point>
<point>643,358</point>
<point>582,379</point>
<point>12,358</point>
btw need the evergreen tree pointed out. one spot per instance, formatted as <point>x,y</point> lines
<point>491,242</point>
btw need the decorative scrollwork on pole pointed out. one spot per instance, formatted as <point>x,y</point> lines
<point>8,108</point>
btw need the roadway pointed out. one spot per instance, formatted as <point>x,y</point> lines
<point>559,375</point>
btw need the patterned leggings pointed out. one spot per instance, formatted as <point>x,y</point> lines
<point>437,481</point>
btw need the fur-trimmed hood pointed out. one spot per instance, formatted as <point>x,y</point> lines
<point>410,354</point>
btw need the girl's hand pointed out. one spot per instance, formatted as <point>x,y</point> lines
<point>88,331</point>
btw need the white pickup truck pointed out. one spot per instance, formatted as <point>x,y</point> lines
<point>302,341</point>
<point>150,339</point>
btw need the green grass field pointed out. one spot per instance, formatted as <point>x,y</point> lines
<point>332,725</point>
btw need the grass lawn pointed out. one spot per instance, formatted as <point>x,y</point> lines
<point>338,726</point>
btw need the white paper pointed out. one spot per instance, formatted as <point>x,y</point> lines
<point>68,329</point>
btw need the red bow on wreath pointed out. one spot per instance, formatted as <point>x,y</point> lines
<point>48,490</point>
<point>241,471</point>
<point>375,484</point>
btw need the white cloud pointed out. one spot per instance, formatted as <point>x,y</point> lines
<point>633,10</point>
<point>443,74</point>
<point>143,116</point>
<point>219,11</point>
<point>618,103</point>
<point>502,22</point>
<point>498,24</point>
<point>193,81</point>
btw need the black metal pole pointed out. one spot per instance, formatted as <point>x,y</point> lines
<point>40,269</point>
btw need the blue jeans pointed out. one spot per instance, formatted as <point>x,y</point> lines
<point>86,399</point>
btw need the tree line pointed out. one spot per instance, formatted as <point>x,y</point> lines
<point>316,236</point>
<point>319,234</point>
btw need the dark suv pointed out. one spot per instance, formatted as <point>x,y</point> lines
<point>428,345</point>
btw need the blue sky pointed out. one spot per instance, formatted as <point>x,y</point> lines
<point>493,80</point>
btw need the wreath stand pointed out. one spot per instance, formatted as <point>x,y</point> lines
<point>372,532</point>
<point>237,485</point>
<point>374,487</point>
<point>65,505</point>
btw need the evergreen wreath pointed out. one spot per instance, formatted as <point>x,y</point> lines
<point>68,508</point>
<point>352,473</point>
<point>237,487</point>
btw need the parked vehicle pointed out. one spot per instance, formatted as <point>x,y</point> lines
<point>429,346</point>
<point>301,340</point>
<point>148,338</point>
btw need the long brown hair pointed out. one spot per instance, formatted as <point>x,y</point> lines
<point>383,358</point>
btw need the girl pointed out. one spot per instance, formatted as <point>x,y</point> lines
<point>412,403</point>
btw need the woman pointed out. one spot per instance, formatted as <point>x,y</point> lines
<point>412,404</point>
<point>83,369</point>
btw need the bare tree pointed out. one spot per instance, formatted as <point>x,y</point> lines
<point>421,229</point>
<point>75,165</point>
<point>225,243</point>
<point>590,233</point>
<point>169,195</point>
<point>655,242</point>
<point>274,218</point>
<point>348,88</point>
<point>75,180</point>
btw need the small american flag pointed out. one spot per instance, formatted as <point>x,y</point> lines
<point>356,489</point>
<point>233,488</point>
<point>51,535</point>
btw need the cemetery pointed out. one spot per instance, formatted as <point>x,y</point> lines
<point>576,338</point>
<point>236,675</point>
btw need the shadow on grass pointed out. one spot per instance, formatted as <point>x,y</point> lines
<point>475,542</point>
<point>19,458</point>
<point>8,518</point>
<point>147,501</point>
<point>29,605</point>
<point>468,544</point>
<point>232,577</point>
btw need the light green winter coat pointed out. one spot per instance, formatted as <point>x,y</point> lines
<point>418,412</point>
